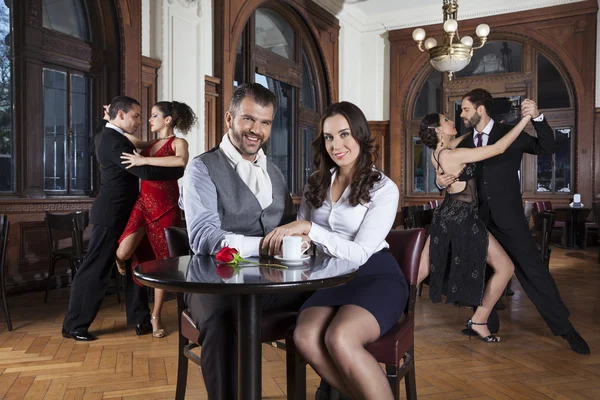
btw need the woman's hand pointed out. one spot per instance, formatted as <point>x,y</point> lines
<point>271,244</point>
<point>444,180</point>
<point>134,159</point>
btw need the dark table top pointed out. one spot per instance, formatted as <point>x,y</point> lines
<point>572,209</point>
<point>203,274</point>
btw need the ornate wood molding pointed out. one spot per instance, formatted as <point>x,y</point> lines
<point>16,206</point>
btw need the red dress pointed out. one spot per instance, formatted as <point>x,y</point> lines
<point>155,209</point>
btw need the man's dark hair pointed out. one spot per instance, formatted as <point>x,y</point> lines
<point>480,97</point>
<point>120,103</point>
<point>255,91</point>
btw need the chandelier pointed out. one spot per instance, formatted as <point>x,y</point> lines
<point>455,53</point>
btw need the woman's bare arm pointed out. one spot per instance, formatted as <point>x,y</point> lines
<point>180,158</point>
<point>464,156</point>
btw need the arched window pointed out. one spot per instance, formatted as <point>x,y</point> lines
<point>68,63</point>
<point>428,101</point>
<point>554,171</point>
<point>277,51</point>
<point>67,16</point>
<point>67,107</point>
<point>504,61</point>
<point>7,170</point>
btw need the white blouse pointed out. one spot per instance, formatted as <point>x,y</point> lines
<point>353,233</point>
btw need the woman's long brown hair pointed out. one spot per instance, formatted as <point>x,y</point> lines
<point>365,175</point>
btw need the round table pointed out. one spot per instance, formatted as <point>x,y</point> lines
<point>574,224</point>
<point>203,274</point>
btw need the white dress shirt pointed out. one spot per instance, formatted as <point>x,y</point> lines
<point>353,233</point>
<point>116,128</point>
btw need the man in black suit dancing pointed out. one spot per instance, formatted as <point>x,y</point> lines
<point>119,188</point>
<point>501,207</point>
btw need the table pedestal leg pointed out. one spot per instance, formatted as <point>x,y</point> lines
<point>249,347</point>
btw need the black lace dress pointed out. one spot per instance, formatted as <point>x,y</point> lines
<point>459,245</point>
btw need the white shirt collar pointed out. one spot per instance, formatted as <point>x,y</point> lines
<point>486,130</point>
<point>116,128</point>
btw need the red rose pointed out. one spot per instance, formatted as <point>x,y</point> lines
<point>226,254</point>
<point>225,271</point>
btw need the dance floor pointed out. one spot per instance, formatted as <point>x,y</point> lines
<point>529,363</point>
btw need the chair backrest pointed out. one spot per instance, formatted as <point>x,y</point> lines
<point>406,246</point>
<point>423,219</point>
<point>433,204</point>
<point>177,241</point>
<point>544,222</point>
<point>529,209</point>
<point>61,226</point>
<point>4,226</point>
<point>596,212</point>
<point>407,215</point>
<point>547,205</point>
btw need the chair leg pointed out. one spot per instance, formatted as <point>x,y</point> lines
<point>50,274</point>
<point>420,289</point>
<point>4,302</point>
<point>296,372</point>
<point>409,379</point>
<point>118,284</point>
<point>393,373</point>
<point>182,361</point>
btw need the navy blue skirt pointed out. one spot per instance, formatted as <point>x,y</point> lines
<point>379,288</point>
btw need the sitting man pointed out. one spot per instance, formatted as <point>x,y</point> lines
<point>232,188</point>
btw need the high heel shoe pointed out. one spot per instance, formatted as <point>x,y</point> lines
<point>488,339</point>
<point>158,333</point>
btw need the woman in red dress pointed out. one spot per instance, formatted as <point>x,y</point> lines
<point>156,207</point>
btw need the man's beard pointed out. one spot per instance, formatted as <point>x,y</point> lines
<point>473,121</point>
<point>237,139</point>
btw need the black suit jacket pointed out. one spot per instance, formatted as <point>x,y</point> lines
<point>119,187</point>
<point>498,183</point>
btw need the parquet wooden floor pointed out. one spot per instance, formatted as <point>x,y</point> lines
<point>529,363</point>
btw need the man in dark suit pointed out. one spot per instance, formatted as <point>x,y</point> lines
<point>119,188</point>
<point>501,207</point>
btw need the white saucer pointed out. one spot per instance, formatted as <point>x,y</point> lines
<point>293,261</point>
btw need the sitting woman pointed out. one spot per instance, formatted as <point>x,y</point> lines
<point>347,210</point>
<point>459,245</point>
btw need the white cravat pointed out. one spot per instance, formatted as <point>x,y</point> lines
<point>254,174</point>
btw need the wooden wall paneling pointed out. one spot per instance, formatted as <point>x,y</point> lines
<point>380,132</point>
<point>131,45</point>
<point>596,154</point>
<point>149,96</point>
<point>211,95</point>
<point>573,45</point>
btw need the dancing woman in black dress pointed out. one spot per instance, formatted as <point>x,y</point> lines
<point>459,245</point>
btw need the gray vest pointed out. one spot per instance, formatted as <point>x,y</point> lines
<point>239,210</point>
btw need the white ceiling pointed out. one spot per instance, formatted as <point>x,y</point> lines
<point>383,15</point>
<point>372,7</point>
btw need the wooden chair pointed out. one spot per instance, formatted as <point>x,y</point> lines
<point>64,227</point>
<point>542,233</point>
<point>596,211</point>
<point>407,215</point>
<point>274,324</point>
<point>4,227</point>
<point>395,349</point>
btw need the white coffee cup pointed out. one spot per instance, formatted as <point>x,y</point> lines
<point>294,247</point>
<point>234,241</point>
